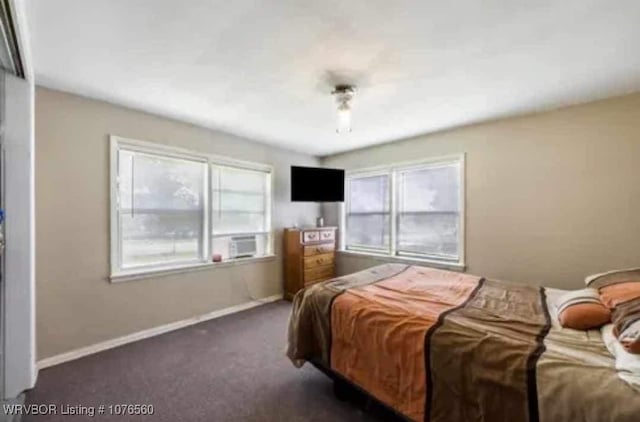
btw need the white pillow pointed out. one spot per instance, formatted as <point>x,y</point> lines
<point>627,364</point>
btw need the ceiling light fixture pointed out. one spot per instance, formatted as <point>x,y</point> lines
<point>344,94</point>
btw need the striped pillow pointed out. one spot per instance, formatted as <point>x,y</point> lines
<point>626,315</point>
<point>582,310</point>
<point>620,291</point>
<point>612,277</point>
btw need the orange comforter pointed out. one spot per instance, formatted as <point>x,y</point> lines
<point>387,359</point>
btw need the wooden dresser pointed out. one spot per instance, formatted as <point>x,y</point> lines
<point>309,257</point>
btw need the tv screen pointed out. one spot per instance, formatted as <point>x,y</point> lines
<point>314,184</point>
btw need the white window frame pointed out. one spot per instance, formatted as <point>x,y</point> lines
<point>117,272</point>
<point>392,171</point>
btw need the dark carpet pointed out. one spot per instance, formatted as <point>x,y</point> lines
<point>228,369</point>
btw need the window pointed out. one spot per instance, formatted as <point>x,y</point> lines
<point>172,208</point>
<point>161,209</point>
<point>368,212</point>
<point>413,211</point>
<point>240,207</point>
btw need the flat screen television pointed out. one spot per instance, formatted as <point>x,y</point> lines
<point>315,184</point>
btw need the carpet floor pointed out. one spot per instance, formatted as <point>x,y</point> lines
<point>228,369</point>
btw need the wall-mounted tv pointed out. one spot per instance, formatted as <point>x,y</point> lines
<point>315,184</point>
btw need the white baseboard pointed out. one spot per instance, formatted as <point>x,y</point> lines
<point>151,332</point>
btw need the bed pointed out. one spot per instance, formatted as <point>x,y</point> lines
<point>445,346</point>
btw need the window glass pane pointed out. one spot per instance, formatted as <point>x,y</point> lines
<point>369,230</point>
<point>369,194</point>
<point>428,233</point>
<point>160,238</point>
<point>237,222</point>
<point>125,173</point>
<point>238,180</point>
<point>368,215</point>
<point>428,210</point>
<point>160,182</point>
<point>430,189</point>
<point>239,200</point>
<point>161,209</point>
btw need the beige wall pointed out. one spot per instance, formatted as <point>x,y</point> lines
<point>551,197</point>
<point>76,305</point>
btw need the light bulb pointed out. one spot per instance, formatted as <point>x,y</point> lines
<point>344,118</point>
<point>343,95</point>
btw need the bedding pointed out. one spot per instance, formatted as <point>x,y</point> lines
<point>444,346</point>
<point>620,291</point>
<point>627,364</point>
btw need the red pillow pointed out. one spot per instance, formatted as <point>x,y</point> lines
<point>619,293</point>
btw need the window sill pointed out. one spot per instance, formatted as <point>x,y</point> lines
<point>159,272</point>
<point>453,266</point>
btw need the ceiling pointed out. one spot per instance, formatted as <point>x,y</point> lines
<point>264,69</point>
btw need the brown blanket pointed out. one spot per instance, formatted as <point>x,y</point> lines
<point>443,346</point>
<point>485,350</point>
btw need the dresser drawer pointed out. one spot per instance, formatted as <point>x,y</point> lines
<point>318,260</point>
<point>318,249</point>
<point>327,235</point>
<point>318,273</point>
<point>310,236</point>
